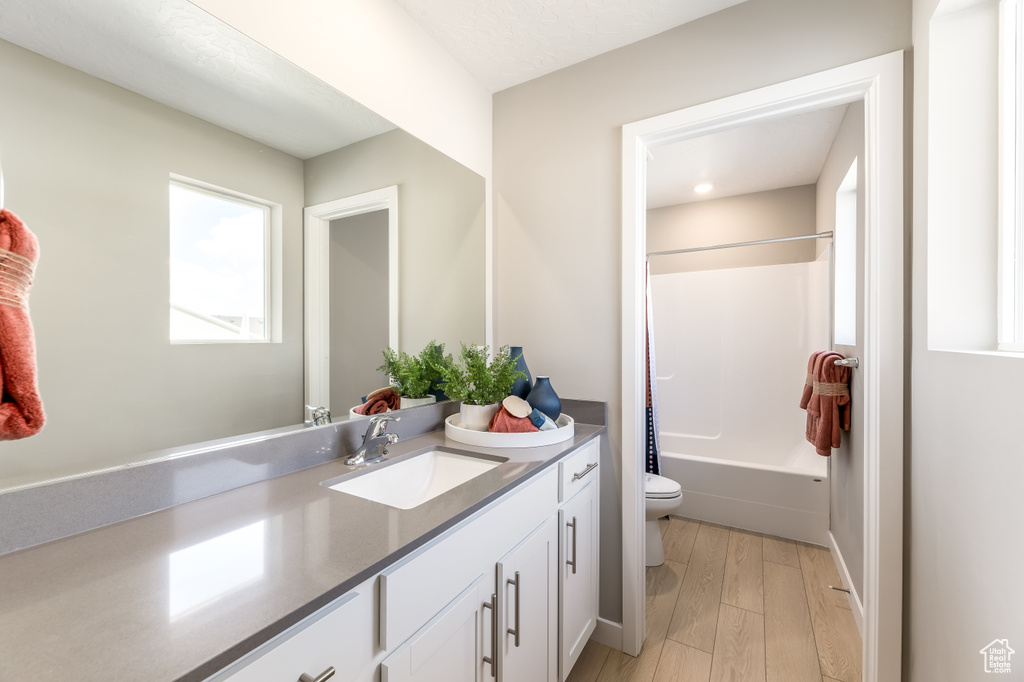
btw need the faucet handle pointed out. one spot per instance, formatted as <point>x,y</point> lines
<point>379,424</point>
<point>319,415</point>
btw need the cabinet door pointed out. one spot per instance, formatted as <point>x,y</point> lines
<point>528,608</point>
<point>452,646</point>
<point>578,564</point>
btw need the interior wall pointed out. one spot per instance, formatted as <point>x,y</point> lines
<point>87,165</point>
<point>557,178</point>
<point>786,212</point>
<point>359,306</point>
<point>375,53</point>
<point>962,566</point>
<point>846,470</point>
<point>440,221</point>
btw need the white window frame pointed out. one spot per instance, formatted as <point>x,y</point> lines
<point>272,288</point>
<point>1011,177</point>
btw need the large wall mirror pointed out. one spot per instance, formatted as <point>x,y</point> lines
<point>124,116</point>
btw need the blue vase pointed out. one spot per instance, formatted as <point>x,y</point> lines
<point>521,388</point>
<point>544,398</point>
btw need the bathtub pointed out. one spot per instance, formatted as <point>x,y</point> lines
<point>783,493</point>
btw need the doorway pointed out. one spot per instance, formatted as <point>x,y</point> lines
<point>320,222</point>
<point>877,83</point>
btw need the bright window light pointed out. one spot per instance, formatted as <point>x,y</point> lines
<point>218,266</point>
<point>703,188</point>
<point>1011,177</point>
<point>845,244</point>
<point>203,573</point>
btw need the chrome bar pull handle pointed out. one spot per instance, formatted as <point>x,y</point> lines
<point>325,675</point>
<point>590,467</point>
<point>853,363</point>
<point>515,631</point>
<point>572,524</point>
<point>494,632</point>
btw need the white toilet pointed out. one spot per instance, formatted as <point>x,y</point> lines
<point>663,497</point>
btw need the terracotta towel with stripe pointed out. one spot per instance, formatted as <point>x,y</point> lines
<point>21,411</point>
<point>828,406</point>
<point>380,401</point>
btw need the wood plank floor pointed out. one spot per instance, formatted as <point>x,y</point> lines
<point>733,606</point>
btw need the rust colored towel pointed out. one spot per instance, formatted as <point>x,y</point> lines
<point>380,401</point>
<point>809,382</point>
<point>21,411</point>
<point>504,422</point>
<point>828,408</point>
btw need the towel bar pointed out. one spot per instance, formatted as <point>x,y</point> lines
<point>848,362</point>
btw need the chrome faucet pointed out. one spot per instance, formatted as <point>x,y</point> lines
<point>376,435</point>
<point>321,415</point>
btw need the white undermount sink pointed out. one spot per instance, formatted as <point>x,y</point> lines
<point>413,481</point>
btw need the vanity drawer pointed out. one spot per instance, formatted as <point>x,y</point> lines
<point>338,636</point>
<point>578,469</point>
<point>419,587</point>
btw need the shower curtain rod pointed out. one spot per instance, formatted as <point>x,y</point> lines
<point>819,235</point>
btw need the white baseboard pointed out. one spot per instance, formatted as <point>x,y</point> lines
<point>844,574</point>
<point>608,633</point>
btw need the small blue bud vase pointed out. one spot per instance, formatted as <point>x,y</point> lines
<point>544,398</point>
<point>521,388</point>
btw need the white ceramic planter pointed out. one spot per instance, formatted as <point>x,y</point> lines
<point>416,402</point>
<point>477,417</point>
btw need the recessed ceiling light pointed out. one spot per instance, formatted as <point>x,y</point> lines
<point>703,187</point>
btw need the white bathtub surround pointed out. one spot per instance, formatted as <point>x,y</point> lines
<point>789,500</point>
<point>733,347</point>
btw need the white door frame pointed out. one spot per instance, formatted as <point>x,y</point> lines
<point>317,280</point>
<point>879,83</point>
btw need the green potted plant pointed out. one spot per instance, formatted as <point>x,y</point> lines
<point>414,376</point>
<point>479,384</point>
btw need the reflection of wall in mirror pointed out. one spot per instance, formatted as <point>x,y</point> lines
<point>88,170</point>
<point>359,306</point>
<point>440,231</point>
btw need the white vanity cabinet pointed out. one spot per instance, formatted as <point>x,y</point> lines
<point>578,554</point>
<point>528,608</point>
<point>338,637</point>
<point>448,648</point>
<point>507,595</point>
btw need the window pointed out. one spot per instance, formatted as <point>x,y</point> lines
<point>1011,175</point>
<point>219,265</point>
<point>845,243</point>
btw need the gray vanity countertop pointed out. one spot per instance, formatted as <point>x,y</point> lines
<point>120,602</point>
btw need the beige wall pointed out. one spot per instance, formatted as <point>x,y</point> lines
<point>359,306</point>
<point>557,164</point>
<point>440,231</point>
<point>86,166</point>
<point>786,212</point>
<point>964,548</point>
<point>846,466</point>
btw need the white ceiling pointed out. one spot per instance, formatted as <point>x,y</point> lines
<point>175,53</point>
<point>507,42</point>
<point>783,152</point>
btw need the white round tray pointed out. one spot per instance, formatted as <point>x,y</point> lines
<point>486,439</point>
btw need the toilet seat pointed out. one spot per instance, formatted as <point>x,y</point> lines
<point>661,488</point>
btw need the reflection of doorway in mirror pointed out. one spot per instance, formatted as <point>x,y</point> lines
<point>359,306</point>
<point>321,352</point>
